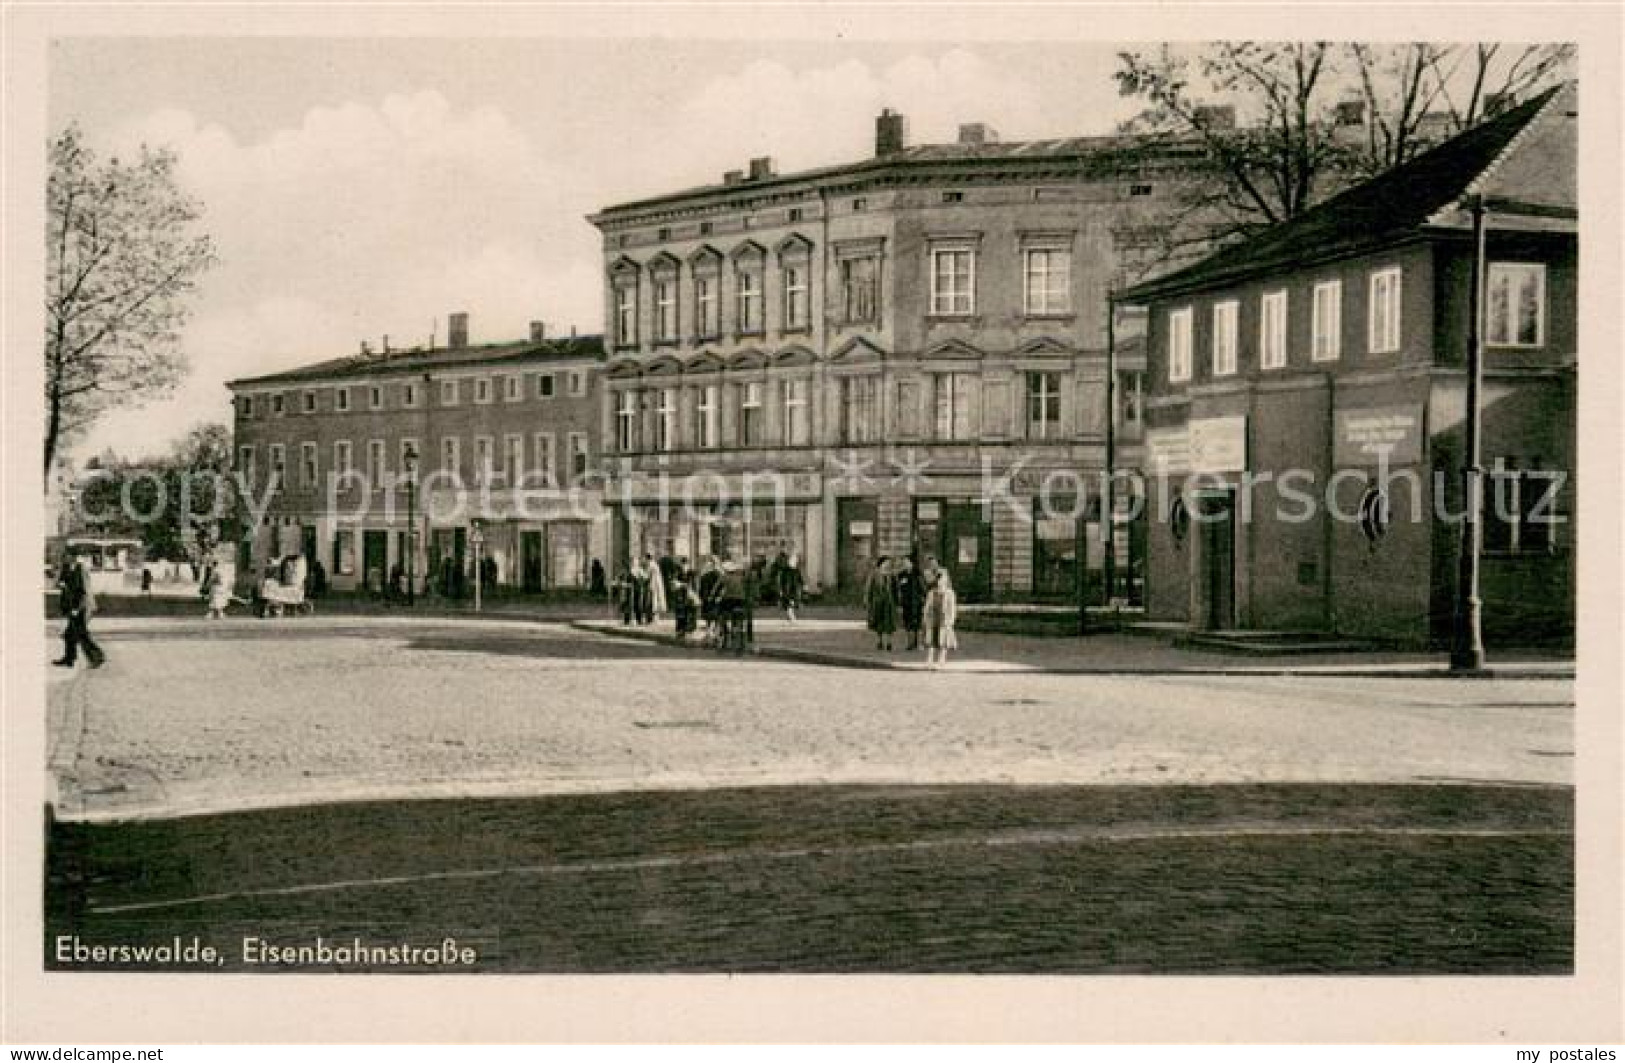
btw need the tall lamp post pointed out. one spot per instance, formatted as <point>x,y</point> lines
<point>1467,648</point>
<point>410,461</point>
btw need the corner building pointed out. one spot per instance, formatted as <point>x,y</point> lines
<point>1333,349</point>
<point>883,340</point>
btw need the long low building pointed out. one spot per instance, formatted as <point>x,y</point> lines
<point>394,465</point>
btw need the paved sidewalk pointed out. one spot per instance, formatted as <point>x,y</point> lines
<point>846,643</point>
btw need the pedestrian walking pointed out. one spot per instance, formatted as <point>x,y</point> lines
<point>909,588</point>
<point>658,604</point>
<point>880,602</point>
<point>218,590</point>
<point>146,581</point>
<point>596,586</point>
<point>941,614</point>
<point>77,604</point>
<point>790,585</point>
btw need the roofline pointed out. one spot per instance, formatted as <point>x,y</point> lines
<point>400,363</point>
<point>872,169</point>
<point>1146,292</point>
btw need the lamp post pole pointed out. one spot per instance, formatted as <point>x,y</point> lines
<point>477,538</point>
<point>1467,651</point>
<point>410,459</point>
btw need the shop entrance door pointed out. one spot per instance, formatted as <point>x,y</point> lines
<point>855,544</point>
<point>530,561</point>
<point>967,550</point>
<point>1217,560</point>
<point>374,558</point>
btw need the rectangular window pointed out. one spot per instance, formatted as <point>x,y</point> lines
<point>248,405</point>
<point>343,462</point>
<point>797,430</point>
<point>1515,305</point>
<point>666,420</point>
<point>448,393</point>
<point>513,458</point>
<point>309,399</point>
<point>860,290</point>
<point>1047,281</point>
<point>1382,321</point>
<point>451,458</point>
<point>510,389</point>
<point>1225,316</point>
<point>1043,405</point>
<point>666,310</point>
<point>705,307</point>
<point>341,400</point>
<point>1179,345</point>
<point>908,409</point>
<point>708,416</point>
<point>1327,326</point>
<point>544,386</point>
<point>578,454</point>
<point>277,406</point>
<point>795,297</point>
<point>409,457</point>
<point>626,421</point>
<point>542,455</point>
<point>750,414</point>
<point>482,389</point>
<point>307,465</point>
<point>860,409</point>
<point>578,382</point>
<point>409,396</point>
<point>626,316</point>
<point>484,460</point>
<point>1129,389</point>
<point>750,301</point>
<point>1272,330</point>
<point>376,466</point>
<point>279,462</point>
<point>375,397</point>
<point>954,410</point>
<point>953,282</point>
<point>245,466</point>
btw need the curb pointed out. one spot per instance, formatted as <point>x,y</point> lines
<point>842,660</point>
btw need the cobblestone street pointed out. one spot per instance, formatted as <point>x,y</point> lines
<point>192,717</point>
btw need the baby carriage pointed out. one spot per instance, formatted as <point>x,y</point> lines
<point>283,590</point>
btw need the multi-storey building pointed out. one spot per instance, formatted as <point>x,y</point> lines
<point>1331,351</point>
<point>890,345</point>
<point>497,442</point>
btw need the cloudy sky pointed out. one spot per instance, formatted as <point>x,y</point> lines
<point>364,187</point>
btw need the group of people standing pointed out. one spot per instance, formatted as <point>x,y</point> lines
<point>721,595</point>
<point>919,599</point>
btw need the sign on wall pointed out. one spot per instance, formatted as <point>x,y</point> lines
<point>1206,445</point>
<point>1381,433</point>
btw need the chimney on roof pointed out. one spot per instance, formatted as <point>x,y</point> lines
<point>366,348</point>
<point>1349,113</point>
<point>976,134</point>
<point>386,343</point>
<point>761,168</point>
<point>538,331</point>
<point>733,177</point>
<point>457,330</point>
<point>1216,116</point>
<point>891,133</point>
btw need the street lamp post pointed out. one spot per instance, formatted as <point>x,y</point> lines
<point>1467,649</point>
<point>477,539</point>
<point>410,460</point>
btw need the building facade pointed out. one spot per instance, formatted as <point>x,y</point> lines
<point>491,445</point>
<point>902,353</point>
<point>1306,402</point>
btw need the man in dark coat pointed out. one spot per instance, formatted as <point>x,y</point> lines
<point>77,604</point>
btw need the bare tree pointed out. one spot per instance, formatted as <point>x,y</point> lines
<point>1271,132</point>
<point>123,251</point>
